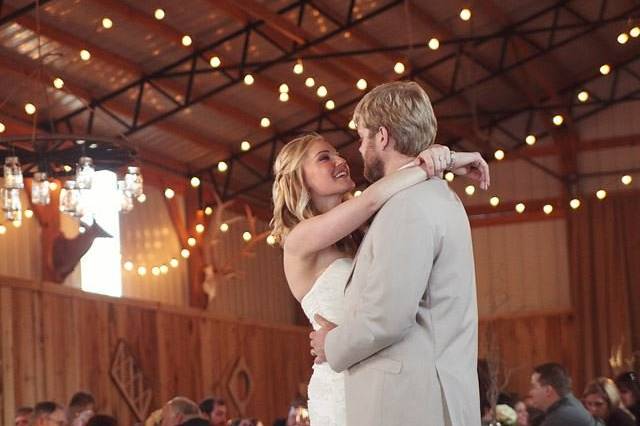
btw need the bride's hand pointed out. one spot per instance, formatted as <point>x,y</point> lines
<point>434,160</point>
<point>473,166</point>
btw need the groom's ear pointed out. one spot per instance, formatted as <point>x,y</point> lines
<point>383,135</point>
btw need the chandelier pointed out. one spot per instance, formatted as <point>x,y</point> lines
<point>74,159</point>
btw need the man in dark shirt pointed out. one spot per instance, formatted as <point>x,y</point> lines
<point>551,392</point>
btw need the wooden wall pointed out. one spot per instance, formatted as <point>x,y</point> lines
<point>57,340</point>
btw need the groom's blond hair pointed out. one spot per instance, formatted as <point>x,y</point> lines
<point>404,109</point>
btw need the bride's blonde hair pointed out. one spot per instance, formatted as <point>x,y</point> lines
<point>291,198</point>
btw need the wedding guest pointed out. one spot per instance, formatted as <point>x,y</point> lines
<point>602,400</point>
<point>629,386</point>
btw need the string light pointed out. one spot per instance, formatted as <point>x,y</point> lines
<point>583,96</point>
<point>107,23</point>
<point>245,146</point>
<point>449,176</point>
<point>208,210</point>
<point>185,253</point>
<point>601,194</point>
<point>330,104</point>
<point>558,119</point>
<point>284,97</point>
<point>224,227</point>
<point>159,14</point>
<point>265,122</point>
<point>85,55</point>
<point>357,193</point>
<point>520,207</point>
<point>298,68</point>
<point>186,40</point>
<point>361,84</point>
<point>574,204</point>
<point>155,271</point>
<point>398,68</point>
<point>284,88</point>
<point>605,69</point>
<point>352,125</point>
<point>17,223</point>
<point>530,139</point>
<point>142,198</point>
<point>58,83</point>
<point>322,91</point>
<point>164,269</point>
<point>67,168</point>
<point>634,32</point>
<point>142,271</point>
<point>623,38</point>
<point>309,82</point>
<point>215,61</point>
<point>28,214</point>
<point>499,154</point>
<point>434,43</point>
<point>195,182</point>
<point>465,14</point>
<point>128,265</point>
<point>199,228</point>
<point>222,167</point>
<point>2,127</point>
<point>174,262</point>
<point>3,229</point>
<point>470,190</point>
<point>248,79</point>
<point>191,241</point>
<point>626,179</point>
<point>494,201</point>
<point>271,240</point>
<point>169,193</point>
<point>30,108</point>
<point>53,186</point>
<point>547,209</point>
<point>247,236</point>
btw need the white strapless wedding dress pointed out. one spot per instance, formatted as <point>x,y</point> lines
<point>326,387</point>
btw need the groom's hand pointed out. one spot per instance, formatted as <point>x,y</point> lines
<point>317,338</point>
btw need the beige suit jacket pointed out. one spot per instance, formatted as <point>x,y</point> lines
<point>409,338</point>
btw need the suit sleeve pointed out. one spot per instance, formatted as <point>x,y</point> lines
<point>403,254</point>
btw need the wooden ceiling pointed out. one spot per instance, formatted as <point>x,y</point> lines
<point>494,79</point>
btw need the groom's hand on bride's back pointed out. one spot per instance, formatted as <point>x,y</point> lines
<point>317,338</point>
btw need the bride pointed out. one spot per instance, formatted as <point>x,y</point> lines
<point>317,223</point>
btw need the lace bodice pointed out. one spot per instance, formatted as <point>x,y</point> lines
<point>326,297</point>
<point>326,387</point>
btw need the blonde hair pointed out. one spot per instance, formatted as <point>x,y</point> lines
<point>405,110</point>
<point>291,198</point>
<point>606,388</point>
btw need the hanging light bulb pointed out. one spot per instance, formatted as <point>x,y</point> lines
<point>208,210</point>
<point>40,192</point>
<point>246,236</point>
<point>494,201</point>
<point>399,68</point>
<point>70,199</point>
<point>84,173</point>
<point>271,240</point>
<point>13,173</point>
<point>191,241</point>
<point>298,68</point>
<point>126,198</point>
<point>11,204</point>
<point>215,62</point>
<point>530,139</point>
<point>185,253</point>
<point>174,262</point>
<point>133,181</point>
<point>195,182</point>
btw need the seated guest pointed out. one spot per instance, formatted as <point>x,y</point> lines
<point>629,386</point>
<point>215,410</point>
<point>48,413</point>
<point>102,420</point>
<point>551,392</point>
<point>179,410</point>
<point>527,416</point>
<point>23,414</point>
<point>81,408</point>
<point>602,400</point>
<point>196,421</point>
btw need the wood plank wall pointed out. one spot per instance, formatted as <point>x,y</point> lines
<point>58,340</point>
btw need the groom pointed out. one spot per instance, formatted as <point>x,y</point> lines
<point>409,339</point>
